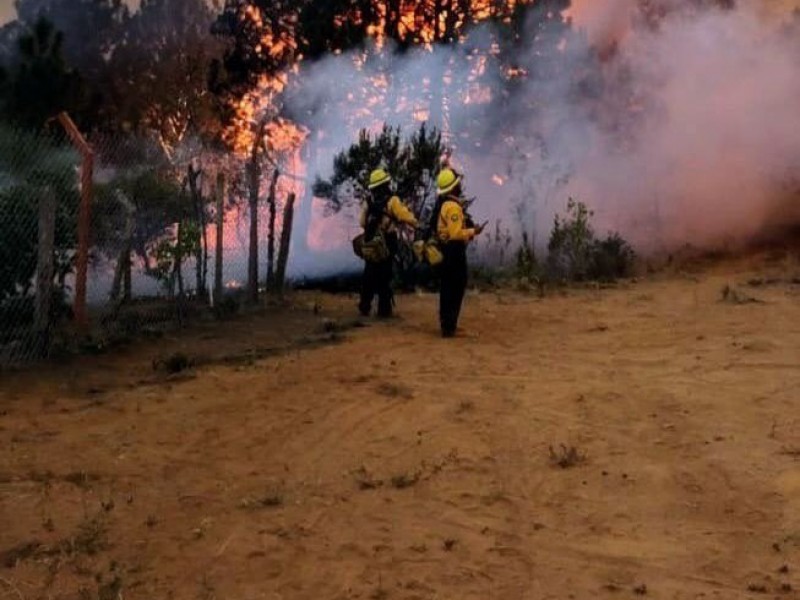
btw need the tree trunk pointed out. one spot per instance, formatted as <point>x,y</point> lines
<point>306,210</point>
<point>127,286</point>
<point>438,9</point>
<point>204,238</point>
<point>45,266</point>
<point>286,240</point>
<point>178,261</point>
<point>200,252</point>
<point>220,220</point>
<point>122,272</point>
<point>252,259</point>
<point>271,234</point>
<point>393,14</point>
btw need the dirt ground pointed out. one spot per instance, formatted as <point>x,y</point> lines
<point>394,464</point>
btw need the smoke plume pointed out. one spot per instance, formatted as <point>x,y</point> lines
<point>680,131</point>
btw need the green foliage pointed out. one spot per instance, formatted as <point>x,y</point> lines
<point>170,253</point>
<point>412,163</point>
<point>613,258</point>
<point>527,266</point>
<point>157,201</point>
<point>575,253</point>
<point>162,72</point>
<point>143,69</point>
<point>31,166</point>
<point>40,84</point>
<point>571,243</point>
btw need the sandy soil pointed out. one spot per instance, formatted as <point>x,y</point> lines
<point>398,465</point>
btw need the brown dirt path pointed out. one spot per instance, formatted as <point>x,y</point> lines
<point>399,465</point>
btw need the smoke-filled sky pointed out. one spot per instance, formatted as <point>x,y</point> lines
<point>583,7</point>
<point>691,135</point>
<point>7,11</point>
<point>716,135</point>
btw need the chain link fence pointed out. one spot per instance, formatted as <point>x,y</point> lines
<point>39,201</point>
<point>107,238</point>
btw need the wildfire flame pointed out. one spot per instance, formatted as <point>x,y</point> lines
<point>421,23</point>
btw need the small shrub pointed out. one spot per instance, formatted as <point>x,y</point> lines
<point>272,499</point>
<point>527,265</point>
<point>465,406</point>
<point>732,295</point>
<point>612,258</point>
<point>228,306</point>
<point>273,496</point>
<point>111,590</point>
<point>394,390</point>
<point>404,480</point>
<point>571,244</point>
<point>81,479</point>
<point>90,538</point>
<point>173,364</point>
<point>575,253</point>
<point>566,457</point>
<point>366,481</point>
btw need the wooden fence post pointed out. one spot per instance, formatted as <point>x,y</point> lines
<point>271,231</point>
<point>84,219</point>
<point>220,219</point>
<point>286,240</point>
<point>45,269</point>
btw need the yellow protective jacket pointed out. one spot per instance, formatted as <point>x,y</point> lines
<point>451,227</point>
<point>395,212</point>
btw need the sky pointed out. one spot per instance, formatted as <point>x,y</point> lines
<point>6,10</point>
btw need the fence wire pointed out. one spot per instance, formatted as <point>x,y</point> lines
<point>39,194</point>
<point>160,224</point>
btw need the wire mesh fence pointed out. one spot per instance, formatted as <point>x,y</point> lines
<point>39,200</point>
<point>105,238</point>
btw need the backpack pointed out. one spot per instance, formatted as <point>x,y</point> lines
<point>372,245</point>
<point>428,249</point>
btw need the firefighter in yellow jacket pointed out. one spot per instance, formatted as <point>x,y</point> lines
<point>382,214</point>
<point>454,231</point>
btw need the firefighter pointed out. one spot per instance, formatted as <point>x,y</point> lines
<point>454,231</point>
<point>380,218</point>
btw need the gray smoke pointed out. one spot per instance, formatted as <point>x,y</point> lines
<point>687,133</point>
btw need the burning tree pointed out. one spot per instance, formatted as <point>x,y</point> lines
<point>261,49</point>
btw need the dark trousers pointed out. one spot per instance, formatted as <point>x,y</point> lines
<point>377,280</point>
<point>453,274</point>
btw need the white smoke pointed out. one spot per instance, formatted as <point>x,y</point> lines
<point>686,133</point>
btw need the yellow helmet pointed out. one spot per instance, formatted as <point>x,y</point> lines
<point>448,180</point>
<point>378,178</point>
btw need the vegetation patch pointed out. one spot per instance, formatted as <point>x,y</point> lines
<point>566,457</point>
